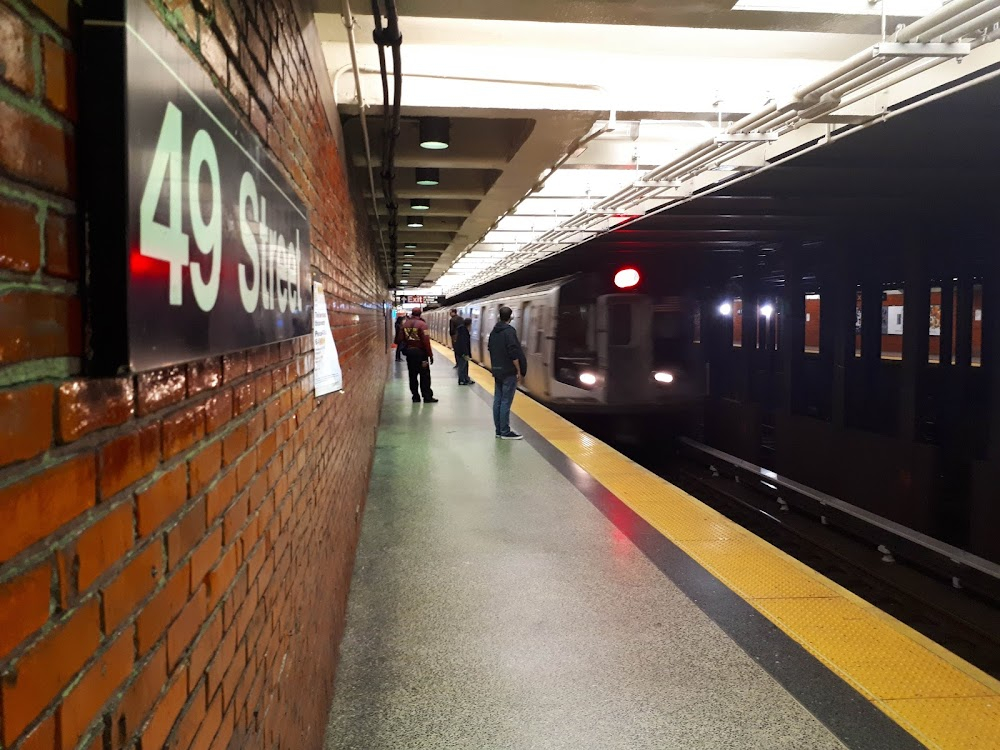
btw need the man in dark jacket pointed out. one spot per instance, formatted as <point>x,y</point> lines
<point>453,323</point>
<point>419,357</point>
<point>399,336</point>
<point>509,366</point>
<point>463,350</point>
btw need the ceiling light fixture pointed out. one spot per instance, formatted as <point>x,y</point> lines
<point>414,221</point>
<point>410,246</point>
<point>420,204</point>
<point>434,133</point>
<point>428,176</point>
<point>407,255</point>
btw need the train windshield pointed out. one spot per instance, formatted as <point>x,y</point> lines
<point>575,341</point>
<point>668,337</point>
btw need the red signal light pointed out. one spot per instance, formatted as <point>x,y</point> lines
<point>627,278</point>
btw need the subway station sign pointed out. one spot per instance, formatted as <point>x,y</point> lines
<point>196,243</point>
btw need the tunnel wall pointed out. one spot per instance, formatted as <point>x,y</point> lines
<point>175,547</point>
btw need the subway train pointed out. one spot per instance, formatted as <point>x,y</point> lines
<point>594,345</point>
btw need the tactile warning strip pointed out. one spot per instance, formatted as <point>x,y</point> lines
<point>939,698</point>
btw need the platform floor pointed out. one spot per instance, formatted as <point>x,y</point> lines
<point>503,598</point>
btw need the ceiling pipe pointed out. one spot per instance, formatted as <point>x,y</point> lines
<point>349,23</point>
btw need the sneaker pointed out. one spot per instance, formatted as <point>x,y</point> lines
<point>511,436</point>
<point>430,400</point>
<point>416,399</point>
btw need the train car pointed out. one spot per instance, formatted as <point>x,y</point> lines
<point>594,346</point>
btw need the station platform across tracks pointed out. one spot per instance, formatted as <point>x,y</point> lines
<point>551,593</point>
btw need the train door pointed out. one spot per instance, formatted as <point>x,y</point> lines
<point>624,347</point>
<point>489,315</point>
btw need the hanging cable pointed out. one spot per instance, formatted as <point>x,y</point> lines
<point>389,36</point>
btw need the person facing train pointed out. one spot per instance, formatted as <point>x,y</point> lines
<point>419,357</point>
<point>463,350</point>
<point>509,366</point>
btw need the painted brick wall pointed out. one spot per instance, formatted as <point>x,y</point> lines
<point>175,548</point>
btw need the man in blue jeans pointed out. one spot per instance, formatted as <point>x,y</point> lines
<point>509,367</point>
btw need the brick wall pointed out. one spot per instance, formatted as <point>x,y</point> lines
<point>175,548</point>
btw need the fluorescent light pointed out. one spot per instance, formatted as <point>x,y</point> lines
<point>414,221</point>
<point>905,8</point>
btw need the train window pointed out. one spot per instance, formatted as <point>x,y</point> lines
<point>857,323</point>
<point>737,313</point>
<point>539,332</point>
<point>619,324</point>
<point>813,310</point>
<point>525,325</point>
<point>935,340</point>
<point>697,325</point>
<point>977,325</point>
<point>892,324</point>
<point>767,325</point>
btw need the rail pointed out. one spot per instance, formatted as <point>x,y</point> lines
<point>893,541</point>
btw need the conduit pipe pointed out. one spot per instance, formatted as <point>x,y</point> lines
<point>349,24</point>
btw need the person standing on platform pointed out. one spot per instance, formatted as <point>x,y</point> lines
<point>399,336</point>
<point>419,356</point>
<point>453,323</point>
<point>463,350</point>
<point>509,367</point>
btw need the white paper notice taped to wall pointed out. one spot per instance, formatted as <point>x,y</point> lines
<point>326,369</point>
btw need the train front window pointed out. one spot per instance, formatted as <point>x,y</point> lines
<point>668,332</point>
<point>620,325</point>
<point>574,337</point>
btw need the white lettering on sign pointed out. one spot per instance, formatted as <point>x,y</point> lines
<point>271,277</point>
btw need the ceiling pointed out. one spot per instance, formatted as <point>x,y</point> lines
<point>524,91</point>
<point>929,171</point>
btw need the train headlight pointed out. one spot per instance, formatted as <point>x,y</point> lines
<point>663,377</point>
<point>588,378</point>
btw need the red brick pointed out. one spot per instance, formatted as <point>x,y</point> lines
<point>203,376</point>
<point>103,544</point>
<point>234,672</point>
<point>221,660</point>
<point>160,389</point>
<point>167,709</point>
<point>61,248</point>
<point>209,725</point>
<point>60,74</point>
<point>234,444</point>
<point>245,469</point>
<point>35,151</point>
<point>220,577</point>
<point>47,668</point>
<point>161,500</point>
<point>89,405</point>
<point>139,698</point>
<point>25,607</point>
<point>182,430</point>
<point>128,459</point>
<point>42,737</point>
<point>188,623</point>
<point>137,581</point>
<point>57,10</point>
<point>245,398</point>
<point>25,423</point>
<point>15,52</point>
<point>218,410</point>
<point>163,608</point>
<point>234,367</point>
<point>83,705</point>
<point>190,721</point>
<point>220,496</point>
<point>205,556</point>
<point>204,649</point>
<point>225,734</point>
<point>234,519</point>
<point>35,507</point>
<point>37,325</point>
<point>265,387</point>
<point>205,466</point>
<point>186,534</point>
<point>20,237</point>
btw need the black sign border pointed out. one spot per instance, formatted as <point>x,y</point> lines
<point>103,182</point>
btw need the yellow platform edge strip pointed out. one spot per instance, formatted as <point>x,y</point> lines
<point>935,695</point>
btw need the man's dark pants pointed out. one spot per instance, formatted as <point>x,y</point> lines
<point>463,368</point>
<point>503,396</point>
<point>419,369</point>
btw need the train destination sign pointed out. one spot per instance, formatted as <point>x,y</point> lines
<point>200,245</point>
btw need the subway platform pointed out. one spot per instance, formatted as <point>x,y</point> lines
<point>550,593</point>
